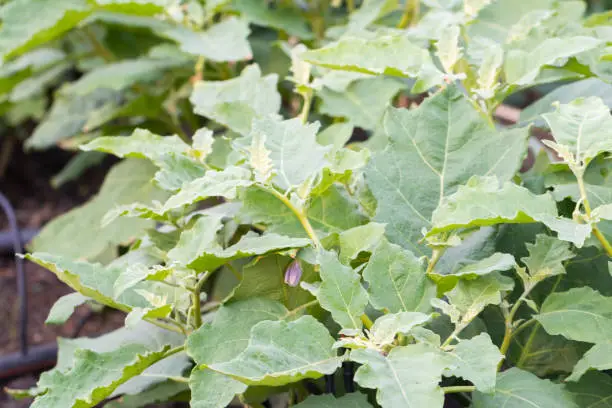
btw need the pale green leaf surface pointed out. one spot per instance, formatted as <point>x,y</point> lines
<point>583,126</point>
<point>280,353</point>
<point>599,357</point>
<point>155,395</point>
<point>363,103</point>
<point>522,67</point>
<point>79,234</point>
<point>432,150</point>
<point>517,389</point>
<point>470,297</point>
<point>481,202</point>
<point>546,256</point>
<point>476,361</point>
<point>359,239</point>
<point>352,400</point>
<point>64,307</point>
<point>593,390</point>
<point>397,280</point>
<point>210,389</point>
<point>94,376</point>
<point>236,102</point>
<point>580,314</point>
<point>386,327</point>
<point>407,377</point>
<point>341,292</point>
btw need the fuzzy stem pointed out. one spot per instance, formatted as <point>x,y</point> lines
<point>459,388</point>
<point>197,309</point>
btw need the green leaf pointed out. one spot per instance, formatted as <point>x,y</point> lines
<point>265,278</point>
<point>332,211</point>
<point>380,55</point>
<point>79,234</point>
<point>136,273</point>
<point>68,117</point>
<point>386,327</point>
<point>198,251</point>
<point>64,307</point>
<point>432,150</point>
<point>353,400</point>
<point>94,376</point>
<point>224,41</point>
<point>236,102</point>
<point>546,257</point>
<point>565,94</point>
<point>280,353</point>
<point>210,389</point>
<point>472,270</point>
<point>397,280</point>
<point>157,394</point>
<point>407,377</point>
<point>593,390</point>
<point>119,76</point>
<point>141,144</point>
<point>522,67</point>
<point>27,24</point>
<point>280,17</point>
<point>363,103</point>
<point>476,361</point>
<point>599,357</point>
<point>293,148</point>
<point>340,291</point>
<point>582,126</point>
<point>517,388</point>
<point>359,239</point>
<point>580,314</point>
<point>510,204</point>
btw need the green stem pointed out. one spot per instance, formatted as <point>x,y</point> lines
<point>166,326</point>
<point>435,257</point>
<point>306,106</point>
<point>527,347</point>
<point>459,388</point>
<point>299,309</point>
<point>411,13</point>
<point>367,322</point>
<point>350,5</point>
<point>174,351</point>
<point>587,208</point>
<point>454,334</point>
<point>298,213</point>
<point>197,309</point>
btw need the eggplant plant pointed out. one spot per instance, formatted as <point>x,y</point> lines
<point>319,190</point>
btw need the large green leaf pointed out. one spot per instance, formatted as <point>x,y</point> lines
<point>510,204</point>
<point>397,280</point>
<point>352,400</point>
<point>340,291</point>
<point>30,23</point>
<point>94,376</point>
<point>517,389</point>
<point>64,307</point>
<point>364,238</point>
<point>583,127</point>
<point>432,150</point>
<point>157,394</point>
<point>407,377</point>
<point>599,357</point>
<point>266,278</point>
<point>546,257</point>
<point>68,117</point>
<point>593,390</point>
<point>281,17</point>
<point>230,328</point>
<point>362,103</point>
<point>280,353</point>
<point>476,361</point>
<point>79,233</point>
<point>236,102</point>
<point>292,147</point>
<point>198,249</point>
<point>580,314</point>
<point>332,211</point>
<point>391,55</point>
<point>522,67</point>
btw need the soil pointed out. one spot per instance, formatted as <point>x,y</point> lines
<point>26,185</point>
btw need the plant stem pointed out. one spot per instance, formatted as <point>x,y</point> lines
<point>350,5</point>
<point>411,13</point>
<point>299,309</point>
<point>367,322</point>
<point>435,257</point>
<point>298,213</point>
<point>459,388</point>
<point>587,209</point>
<point>454,334</point>
<point>525,350</point>
<point>165,325</point>
<point>197,310</point>
<point>306,106</point>
<point>174,351</point>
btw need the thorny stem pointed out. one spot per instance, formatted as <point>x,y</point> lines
<point>298,213</point>
<point>459,388</point>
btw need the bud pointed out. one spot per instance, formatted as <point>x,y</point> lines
<point>293,274</point>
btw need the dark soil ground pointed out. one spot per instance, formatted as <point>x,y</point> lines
<point>26,184</point>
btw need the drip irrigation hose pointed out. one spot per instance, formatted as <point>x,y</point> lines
<point>21,281</point>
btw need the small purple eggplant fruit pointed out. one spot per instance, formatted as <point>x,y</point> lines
<point>293,274</point>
